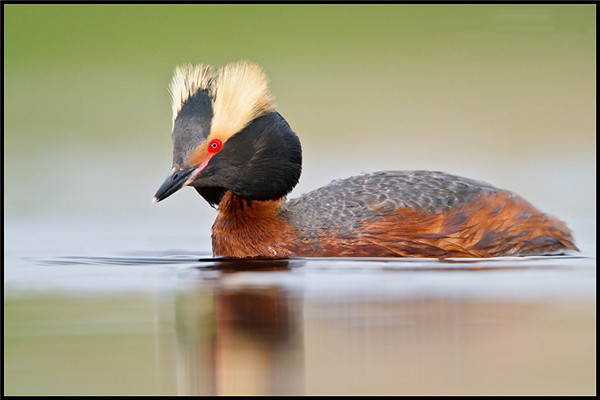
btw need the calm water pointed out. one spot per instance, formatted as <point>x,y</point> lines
<point>170,322</point>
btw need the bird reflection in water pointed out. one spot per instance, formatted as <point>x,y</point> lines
<point>240,340</point>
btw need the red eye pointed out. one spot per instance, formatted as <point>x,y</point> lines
<point>214,146</point>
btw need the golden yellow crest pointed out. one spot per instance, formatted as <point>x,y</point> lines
<point>239,92</point>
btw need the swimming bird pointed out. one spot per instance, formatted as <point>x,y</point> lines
<point>243,158</point>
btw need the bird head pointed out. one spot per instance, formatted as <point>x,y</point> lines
<point>227,136</point>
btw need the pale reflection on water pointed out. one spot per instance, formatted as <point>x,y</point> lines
<point>268,333</point>
<point>305,326</point>
<point>251,343</point>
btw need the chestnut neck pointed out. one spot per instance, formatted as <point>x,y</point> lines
<point>251,228</point>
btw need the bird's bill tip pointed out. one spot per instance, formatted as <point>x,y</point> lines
<point>176,179</point>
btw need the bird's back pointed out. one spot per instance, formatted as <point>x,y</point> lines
<point>345,204</point>
<point>420,213</point>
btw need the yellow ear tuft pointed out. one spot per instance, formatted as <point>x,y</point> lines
<point>187,80</point>
<point>241,94</point>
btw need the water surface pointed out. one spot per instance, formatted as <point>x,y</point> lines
<point>173,323</point>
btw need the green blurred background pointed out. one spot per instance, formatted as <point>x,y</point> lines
<point>501,93</point>
<point>486,91</point>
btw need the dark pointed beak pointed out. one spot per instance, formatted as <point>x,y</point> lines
<point>175,181</point>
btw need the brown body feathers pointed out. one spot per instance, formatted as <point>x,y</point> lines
<point>390,214</point>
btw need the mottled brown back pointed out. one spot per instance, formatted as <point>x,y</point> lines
<point>423,214</point>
